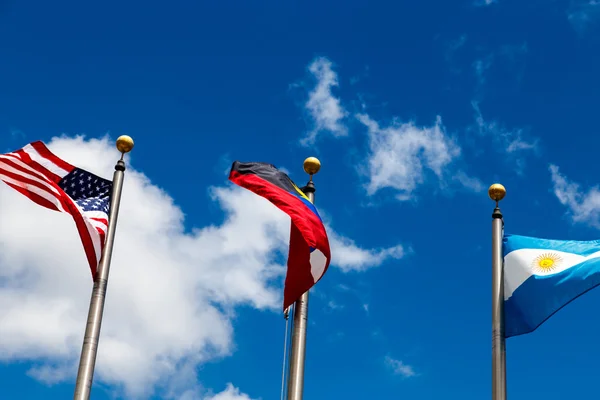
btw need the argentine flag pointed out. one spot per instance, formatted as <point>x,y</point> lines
<point>542,276</point>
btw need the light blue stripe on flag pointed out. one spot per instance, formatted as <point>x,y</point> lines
<point>584,248</point>
<point>542,276</point>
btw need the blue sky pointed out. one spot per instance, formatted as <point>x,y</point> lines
<point>413,108</point>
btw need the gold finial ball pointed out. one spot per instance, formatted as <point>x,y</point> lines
<point>124,144</point>
<point>312,165</point>
<point>496,192</point>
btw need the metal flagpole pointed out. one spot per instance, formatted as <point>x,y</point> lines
<point>300,310</point>
<point>497,193</point>
<point>89,350</point>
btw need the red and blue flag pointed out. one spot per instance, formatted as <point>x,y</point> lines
<point>309,253</point>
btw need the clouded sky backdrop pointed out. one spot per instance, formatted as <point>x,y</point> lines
<point>413,108</point>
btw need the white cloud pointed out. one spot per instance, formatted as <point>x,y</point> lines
<point>172,292</point>
<point>583,206</point>
<point>400,155</point>
<point>400,368</point>
<point>350,257</point>
<point>469,182</point>
<point>517,143</point>
<point>325,109</point>
<point>484,2</point>
<point>230,393</point>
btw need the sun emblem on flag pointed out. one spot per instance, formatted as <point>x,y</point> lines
<point>546,262</point>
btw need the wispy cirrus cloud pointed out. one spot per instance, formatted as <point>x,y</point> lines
<point>16,133</point>
<point>509,141</point>
<point>508,56</point>
<point>481,65</point>
<point>324,108</point>
<point>332,305</point>
<point>398,367</point>
<point>401,155</point>
<point>583,13</point>
<point>452,48</point>
<point>483,3</point>
<point>583,205</point>
<point>454,45</point>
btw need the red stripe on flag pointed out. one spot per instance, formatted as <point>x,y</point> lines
<point>43,151</point>
<point>57,193</point>
<point>38,167</point>
<point>20,163</point>
<point>34,197</point>
<point>86,240</point>
<point>298,279</point>
<point>28,182</point>
<point>307,221</point>
<point>69,206</point>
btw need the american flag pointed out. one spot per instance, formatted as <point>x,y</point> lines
<point>55,184</point>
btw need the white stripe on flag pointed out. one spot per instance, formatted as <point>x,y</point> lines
<point>9,168</point>
<point>93,233</point>
<point>97,214</point>
<point>33,189</point>
<point>44,162</point>
<point>95,236</point>
<point>96,224</point>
